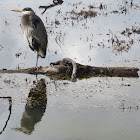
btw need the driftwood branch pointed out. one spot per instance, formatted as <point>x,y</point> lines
<point>10,111</point>
<point>69,69</point>
<point>55,2</point>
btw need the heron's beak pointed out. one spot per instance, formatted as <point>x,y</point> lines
<point>16,10</point>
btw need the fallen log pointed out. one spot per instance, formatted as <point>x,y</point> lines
<point>69,69</point>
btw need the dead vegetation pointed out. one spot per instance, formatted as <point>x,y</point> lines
<point>84,14</point>
<point>136,30</point>
<point>128,32</point>
<point>101,6</point>
<point>1,47</point>
<point>121,45</point>
<point>118,44</point>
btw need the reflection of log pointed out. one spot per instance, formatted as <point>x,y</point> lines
<point>67,68</point>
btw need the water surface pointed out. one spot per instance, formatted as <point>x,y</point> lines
<point>95,108</point>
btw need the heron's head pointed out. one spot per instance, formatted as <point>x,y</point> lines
<point>26,10</point>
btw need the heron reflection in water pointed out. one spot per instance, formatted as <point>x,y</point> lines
<point>35,32</point>
<point>34,108</point>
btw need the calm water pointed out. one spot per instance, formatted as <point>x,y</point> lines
<point>95,108</point>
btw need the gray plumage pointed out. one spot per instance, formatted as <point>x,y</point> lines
<point>35,32</point>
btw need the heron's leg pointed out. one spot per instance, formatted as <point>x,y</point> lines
<point>36,78</point>
<point>37,61</point>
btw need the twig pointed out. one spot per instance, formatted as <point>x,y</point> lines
<point>56,2</point>
<point>122,105</point>
<point>10,111</point>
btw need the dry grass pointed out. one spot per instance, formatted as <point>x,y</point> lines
<point>85,14</point>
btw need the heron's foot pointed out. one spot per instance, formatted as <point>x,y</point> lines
<point>37,68</point>
<point>32,70</point>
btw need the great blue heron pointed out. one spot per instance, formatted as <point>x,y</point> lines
<point>35,32</point>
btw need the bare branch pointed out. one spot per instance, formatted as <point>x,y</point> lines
<point>10,111</point>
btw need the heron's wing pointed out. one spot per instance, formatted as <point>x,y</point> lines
<point>39,35</point>
<point>35,23</point>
